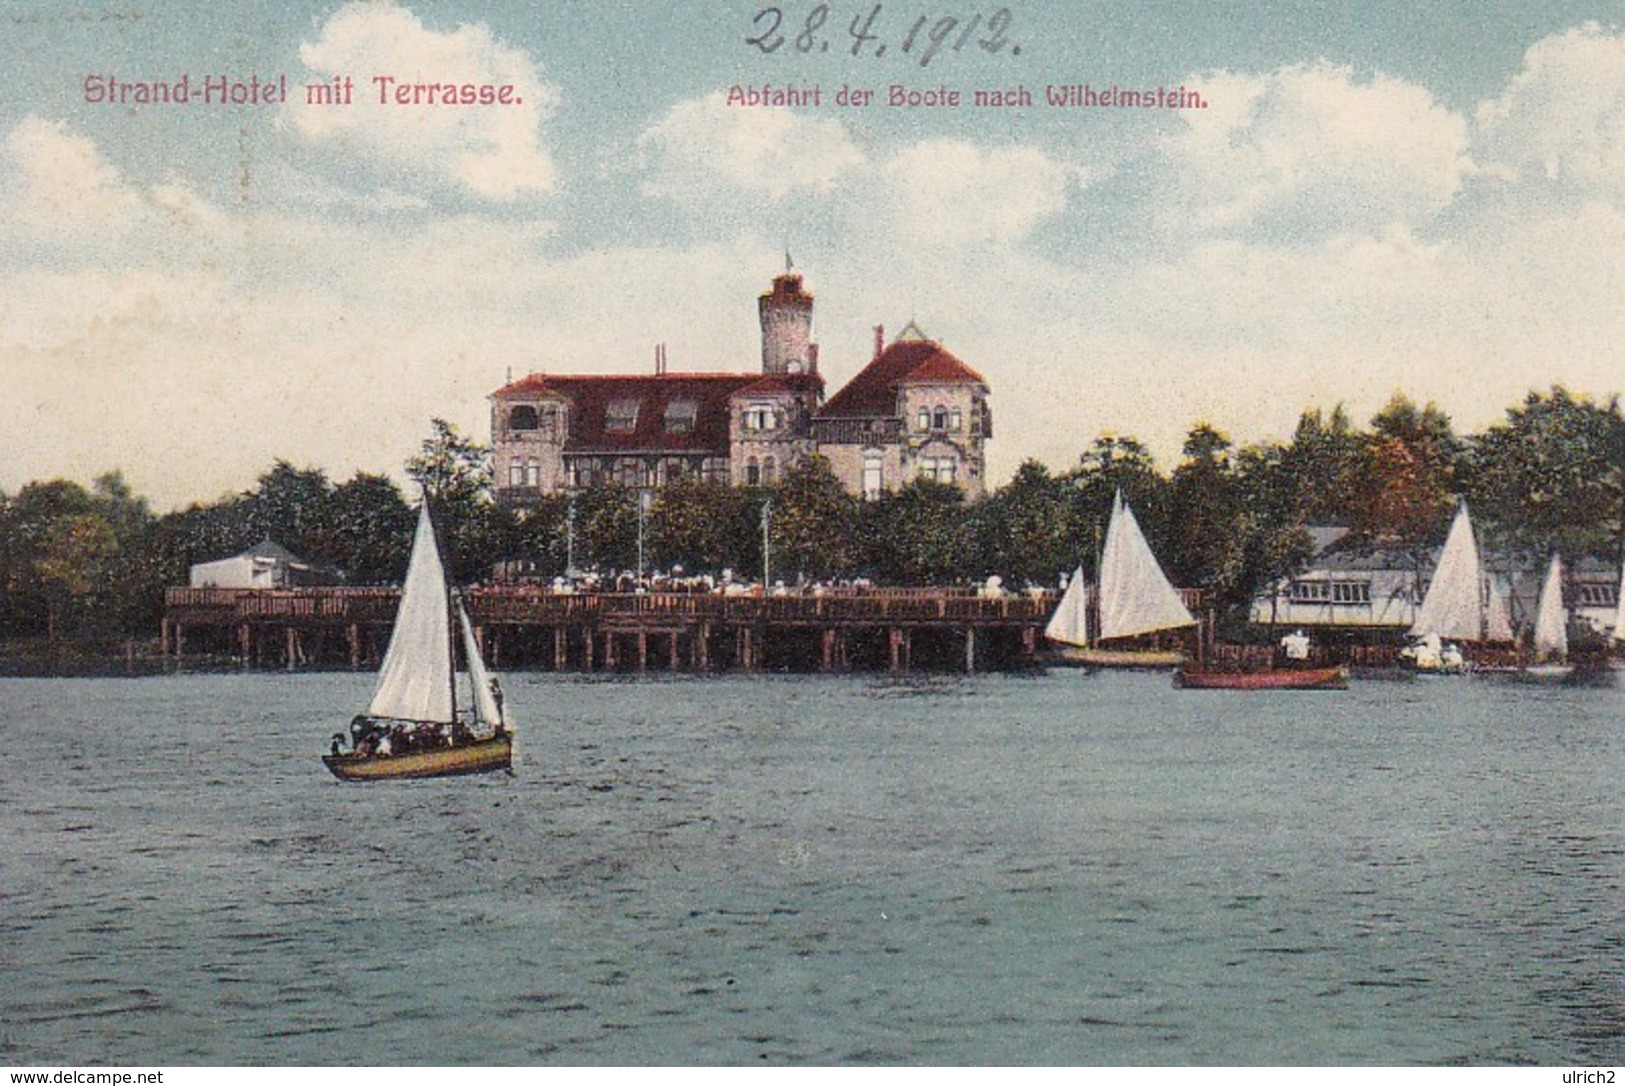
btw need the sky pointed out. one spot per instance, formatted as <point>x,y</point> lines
<point>1415,198</point>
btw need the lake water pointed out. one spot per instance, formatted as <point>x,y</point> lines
<point>1054,869</point>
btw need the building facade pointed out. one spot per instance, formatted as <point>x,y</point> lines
<point>913,411</point>
<point>1382,589</point>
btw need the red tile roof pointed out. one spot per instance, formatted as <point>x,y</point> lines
<point>591,395</point>
<point>914,361</point>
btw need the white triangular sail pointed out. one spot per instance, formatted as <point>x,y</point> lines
<point>414,682</point>
<point>1136,597</point>
<point>1068,625</point>
<point>486,711</point>
<point>1619,611</point>
<point>1551,633</point>
<point>1462,601</point>
<point>1454,604</point>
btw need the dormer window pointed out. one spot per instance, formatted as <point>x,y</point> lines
<point>761,416</point>
<point>681,416</point>
<point>621,416</point>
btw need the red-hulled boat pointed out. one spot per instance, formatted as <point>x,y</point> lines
<point>1284,678</point>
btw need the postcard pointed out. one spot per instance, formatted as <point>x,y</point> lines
<point>963,256</point>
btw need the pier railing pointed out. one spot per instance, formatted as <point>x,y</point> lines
<point>524,605</point>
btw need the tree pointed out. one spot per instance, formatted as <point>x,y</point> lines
<point>702,526</point>
<point>1407,486</point>
<point>455,474</point>
<point>369,531</point>
<point>1323,466</point>
<point>1028,529</point>
<point>1208,530</point>
<point>916,535</point>
<point>1552,475</point>
<point>813,518</point>
<point>292,506</point>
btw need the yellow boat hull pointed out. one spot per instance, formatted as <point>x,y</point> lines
<point>484,756</point>
<point>1077,656</point>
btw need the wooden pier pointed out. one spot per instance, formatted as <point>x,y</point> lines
<point>526,628</point>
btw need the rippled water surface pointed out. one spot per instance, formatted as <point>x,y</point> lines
<point>1064,868</point>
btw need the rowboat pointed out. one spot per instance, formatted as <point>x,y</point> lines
<point>1283,678</point>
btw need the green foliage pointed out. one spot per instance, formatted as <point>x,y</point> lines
<point>812,524</point>
<point>93,562</point>
<point>1552,476</point>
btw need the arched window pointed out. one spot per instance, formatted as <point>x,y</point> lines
<point>770,471</point>
<point>925,418</point>
<point>522,417</point>
<point>753,473</point>
<point>940,420</point>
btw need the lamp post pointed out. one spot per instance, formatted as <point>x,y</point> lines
<point>570,536</point>
<point>767,525</point>
<point>643,513</point>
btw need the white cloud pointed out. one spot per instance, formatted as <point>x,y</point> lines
<point>704,150</point>
<point>1561,121</point>
<point>491,152</point>
<point>950,192</point>
<point>62,184</point>
<point>1309,151</point>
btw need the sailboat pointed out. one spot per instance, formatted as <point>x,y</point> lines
<point>1617,635</point>
<point>413,727</point>
<point>1551,639</point>
<point>1134,596</point>
<point>1460,605</point>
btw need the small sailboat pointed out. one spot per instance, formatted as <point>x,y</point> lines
<point>1460,605</point>
<point>1134,598</point>
<point>1550,641</point>
<point>1616,636</point>
<point>413,726</point>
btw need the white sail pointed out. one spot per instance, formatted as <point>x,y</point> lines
<point>1462,601</point>
<point>1068,625</point>
<point>485,703</point>
<point>414,682</point>
<point>1619,612</point>
<point>1551,634</point>
<point>1454,604</point>
<point>1135,595</point>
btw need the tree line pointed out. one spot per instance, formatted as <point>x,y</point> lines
<point>87,563</point>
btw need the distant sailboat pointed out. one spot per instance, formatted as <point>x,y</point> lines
<point>412,727</point>
<point>1618,634</point>
<point>1551,638</point>
<point>1135,597</point>
<point>1460,604</point>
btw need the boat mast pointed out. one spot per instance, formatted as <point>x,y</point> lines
<point>446,598</point>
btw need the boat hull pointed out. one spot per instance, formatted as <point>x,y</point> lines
<point>483,756</point>
<point>1143,659</point>
<point>1307,678</point>
<point>1531,673</point>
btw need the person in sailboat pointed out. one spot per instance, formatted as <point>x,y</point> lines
<point>496,696</point>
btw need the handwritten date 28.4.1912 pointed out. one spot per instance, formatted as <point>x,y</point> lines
<point>873,33</point>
